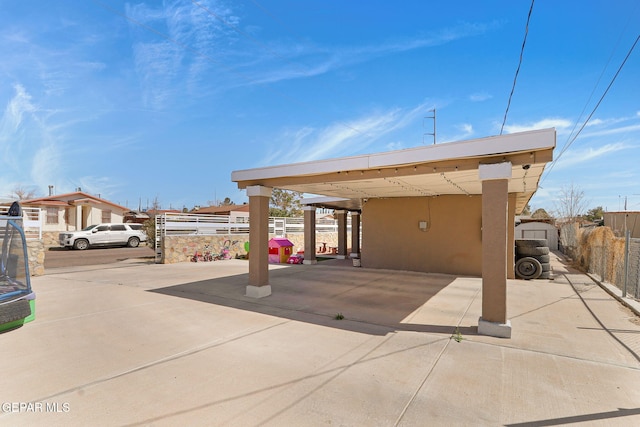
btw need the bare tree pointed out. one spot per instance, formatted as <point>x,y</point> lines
<point>570,204</point>
<point>22,193</point>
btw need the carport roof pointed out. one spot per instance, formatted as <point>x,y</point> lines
<point>433,170</point>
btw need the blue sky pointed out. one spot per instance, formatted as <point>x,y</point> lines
<point>163,99</point>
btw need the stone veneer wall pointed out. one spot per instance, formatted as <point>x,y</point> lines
<point>50,239</point>
<point>182,248</point>
<point>35,250</point>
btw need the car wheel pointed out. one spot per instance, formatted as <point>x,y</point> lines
<point>528,268</point>
<point>133,242</point>
<point>81,244</point>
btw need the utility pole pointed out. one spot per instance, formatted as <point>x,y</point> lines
<point>434,126</point>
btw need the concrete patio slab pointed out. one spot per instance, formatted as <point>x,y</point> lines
<point>146,344</point>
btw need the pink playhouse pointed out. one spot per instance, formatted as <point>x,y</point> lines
<point>280,249</point>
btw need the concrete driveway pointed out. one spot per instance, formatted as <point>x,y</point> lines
<point>146,344</point>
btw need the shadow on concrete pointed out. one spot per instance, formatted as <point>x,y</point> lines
<point>621,412</point>
<point>370,301</point>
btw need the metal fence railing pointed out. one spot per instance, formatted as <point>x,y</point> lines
<point>176,224</point>
<point>169,224</point>
<point>615,260</point>
<point>31,221</point>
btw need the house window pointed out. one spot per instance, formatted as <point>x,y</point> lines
<point>106,216</point>
<point>52,215</point>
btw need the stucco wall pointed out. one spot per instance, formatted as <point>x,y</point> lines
<point>451,244</point>
<point>620,222</point>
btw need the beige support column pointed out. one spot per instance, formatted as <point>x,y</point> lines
<point>259,197</point>
<point>355,235</point>
<point>309,235</point>
<point>511,244</point>
<point>341,216</point>
<point>495,205</point>
<point>79,217</point>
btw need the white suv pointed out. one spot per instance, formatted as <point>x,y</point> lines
<point>104,235</point>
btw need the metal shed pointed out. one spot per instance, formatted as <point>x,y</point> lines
<point>538,230</point>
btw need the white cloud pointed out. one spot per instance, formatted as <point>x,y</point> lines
<point>45,166</point>
<point>396,145</point>
<point>466,128</point>
<point>342,138</point>
<point>614,131</point>
<point>16,108</point>
<point>573,157</point>
<point>11,129</point>
<point>96,185</point>
<point>31,156</point>
<point>189,45</point>
<point>464,131</point>
<point>325,60</point>
<point>479,97</point>
<point>559,124</point>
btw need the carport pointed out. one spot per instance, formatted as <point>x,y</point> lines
<point>443,208</point>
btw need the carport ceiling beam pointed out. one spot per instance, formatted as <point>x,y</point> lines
<point>518,159</point>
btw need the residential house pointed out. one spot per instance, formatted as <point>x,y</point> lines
<point>73,211</point>
<point>232,211</point>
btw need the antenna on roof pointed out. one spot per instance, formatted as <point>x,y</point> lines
<point>434,126</point>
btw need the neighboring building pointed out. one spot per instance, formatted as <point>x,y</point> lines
<point>136,217</point>
<point>233,211</point>
<point>622,221</point>
<point>152,213</point>
<point>538,229</point>
<point>75,211</point>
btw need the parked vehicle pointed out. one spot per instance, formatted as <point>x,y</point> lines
<point>104,235</point>
<point>17,299</point>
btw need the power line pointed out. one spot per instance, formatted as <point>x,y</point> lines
<point>515,78</point>
<point>599,78</point>
<point>568,144</point>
